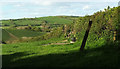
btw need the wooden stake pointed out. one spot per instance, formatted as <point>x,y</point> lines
<point>85,36</point>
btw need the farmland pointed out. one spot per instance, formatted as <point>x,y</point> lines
<point>38,21</point>
<point>11,26</point>
<point>19,33</point>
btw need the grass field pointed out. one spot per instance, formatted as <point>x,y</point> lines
<point>35,54</point>
<point>19,33</point>
<point>27,33</point>
<point>57,20</point>
<point>50,20</point>
<point>5,35</point>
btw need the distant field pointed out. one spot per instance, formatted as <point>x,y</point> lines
<point>5,35</point>
<point>19,33</point>
<point>34,21</point>
<point>26,33</point>
<point>57,20</point>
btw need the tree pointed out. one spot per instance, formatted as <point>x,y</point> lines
<point>108,7</point>
<point>105,9</point>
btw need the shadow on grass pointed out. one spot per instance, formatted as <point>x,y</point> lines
<point>105,57</point>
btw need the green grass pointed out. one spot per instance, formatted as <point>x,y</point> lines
<point>20,33</point>
<point>35,54</point>
<point>5,35</point>
<point>21,22</point>
<point>31,46</point>
<point>57,20</point>
<point>24,33</point>
<point>28,21</point>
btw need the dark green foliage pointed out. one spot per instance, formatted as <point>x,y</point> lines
<point>104,24</point>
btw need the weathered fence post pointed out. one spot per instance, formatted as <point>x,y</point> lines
<point>85,36</point>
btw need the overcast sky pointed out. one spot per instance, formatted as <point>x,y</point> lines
<point>14,9</point>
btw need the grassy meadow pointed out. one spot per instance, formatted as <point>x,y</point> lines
<point>35,55</point>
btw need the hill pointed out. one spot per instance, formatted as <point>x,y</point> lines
<point>33,27</point>
<point>38,21</point>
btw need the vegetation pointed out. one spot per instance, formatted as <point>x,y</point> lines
<point>19,33</point>
<point>37,21</point>
<point>50,43</point>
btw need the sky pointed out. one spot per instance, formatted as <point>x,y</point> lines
<point>14,9</point>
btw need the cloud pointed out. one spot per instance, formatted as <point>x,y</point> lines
<point>38,8</point>
<point>43,3</point>
<point>47,3</point>
<point>86,7</point>
<point>19,5</point>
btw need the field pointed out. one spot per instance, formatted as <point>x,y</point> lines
<point>38,21</point>
<point>19,33</point>
<point>51,21</point>
<point>35,55</point>
<point>45,42</point>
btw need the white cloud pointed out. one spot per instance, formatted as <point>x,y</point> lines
<point>86,7</point>
<point>43,3</point>
<point>34,8</point>
<point>46,3</point>
<point>63,7</point>
<point>19,5</point>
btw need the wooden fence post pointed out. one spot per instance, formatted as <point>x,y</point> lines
<point>85,36</point>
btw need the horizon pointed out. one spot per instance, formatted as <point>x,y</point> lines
<point>18,10</point>
<point>41,17</point>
